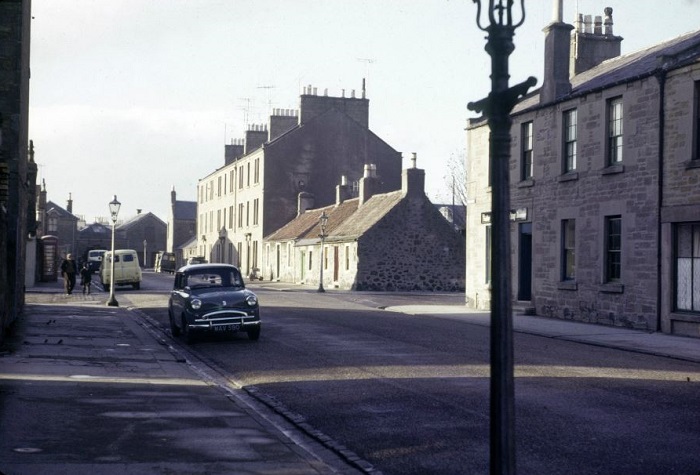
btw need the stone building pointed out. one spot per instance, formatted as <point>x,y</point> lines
<point>145,233</point>
<point>17,177</point>
<point>395,241</point>
<point>604,184</point>
<point>255,192</point>
<point>93,236</point>
<point>187,249</point>
<point>182,225</point>
<point>62,223</point>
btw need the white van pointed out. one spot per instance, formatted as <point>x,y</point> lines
<point>126,269</point>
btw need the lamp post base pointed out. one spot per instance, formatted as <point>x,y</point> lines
<point>321,289</point>
<point>112,302</point>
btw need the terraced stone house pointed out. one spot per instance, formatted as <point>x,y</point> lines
<point>604,181</point>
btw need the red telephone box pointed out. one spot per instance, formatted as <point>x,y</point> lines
<point>49,258</point>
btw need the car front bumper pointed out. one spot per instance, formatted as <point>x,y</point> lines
<point>223,320</point>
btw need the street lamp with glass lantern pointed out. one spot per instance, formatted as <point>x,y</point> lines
<point>323,222</point>
<point>114,206</point>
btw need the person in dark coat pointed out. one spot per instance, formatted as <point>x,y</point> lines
<point>86,278</point>
<point>69,269</point>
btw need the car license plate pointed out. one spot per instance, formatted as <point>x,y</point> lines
<point>227,328</point>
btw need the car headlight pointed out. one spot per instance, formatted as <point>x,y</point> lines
<point>196,304</point>
<point>252,300</point>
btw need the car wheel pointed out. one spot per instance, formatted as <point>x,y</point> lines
<point>136,286</point>
<point>186,332</point>
<point>254,334</point>
<point>173,328</point>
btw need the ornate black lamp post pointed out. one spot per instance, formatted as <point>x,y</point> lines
<point>114,206</point>
<point>323,221</point>
<point>497,108</point>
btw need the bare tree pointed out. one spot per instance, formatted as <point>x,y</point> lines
<point>456,179</point>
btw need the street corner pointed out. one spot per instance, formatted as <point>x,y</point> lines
<point>431,309</point>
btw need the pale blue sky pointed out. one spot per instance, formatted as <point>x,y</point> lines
<point>131,97</point>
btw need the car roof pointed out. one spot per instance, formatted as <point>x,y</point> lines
<point>196,267</point>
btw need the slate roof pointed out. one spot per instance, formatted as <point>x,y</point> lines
<point>192,242</point>
<point>307,226</point>
<point>646,62</point>
<point>185,210</point>
<point>62,213</point>
<point>96,230</point>
<point>345,221</point>
<point>367,216</point>
<point>137,219</point>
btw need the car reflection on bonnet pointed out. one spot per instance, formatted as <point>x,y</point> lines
<point>212,298</point>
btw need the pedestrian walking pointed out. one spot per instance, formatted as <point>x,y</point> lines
<point>86,278</point>
<point>69,269</point>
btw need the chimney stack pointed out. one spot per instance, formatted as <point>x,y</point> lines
<point>413,179</point>
<point>342,191</point>
<point>593,42</point>
<point>255,137</point>
<point>281,121</point>
<point>305,200</point>
<point>557,51</point>
<point>69,205</point>
<point>369,184</point>
<point>233,151</point>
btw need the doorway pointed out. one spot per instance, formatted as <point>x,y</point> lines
<point>525,261</point>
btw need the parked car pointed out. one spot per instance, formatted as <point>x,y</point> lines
<point>212,298</point>
<point>165,262</point>
<point>196,260</point>
<point>126,269</point>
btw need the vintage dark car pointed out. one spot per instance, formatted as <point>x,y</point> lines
<point>212,298</point>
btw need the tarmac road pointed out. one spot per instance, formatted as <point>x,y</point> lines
<point>402,381</point>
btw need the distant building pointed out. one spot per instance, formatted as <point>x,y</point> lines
<point>454,214</point>
<point>307,151</point>
<point>182,225</point>
<point>63,224</point>
<point>93,236</point>
<point>604,184</point>
<point>187,250</point>
<point>145,233</point>
<point>395,241</point>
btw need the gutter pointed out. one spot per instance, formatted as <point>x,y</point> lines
<point>661,78</point>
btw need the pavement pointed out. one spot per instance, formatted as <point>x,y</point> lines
<point>91,389</point>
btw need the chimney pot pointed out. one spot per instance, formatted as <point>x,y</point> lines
<point>598,26</point>
<point>608,21</point>
<point>558,17</point>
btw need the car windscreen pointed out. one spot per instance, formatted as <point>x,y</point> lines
<point>213,279</point>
